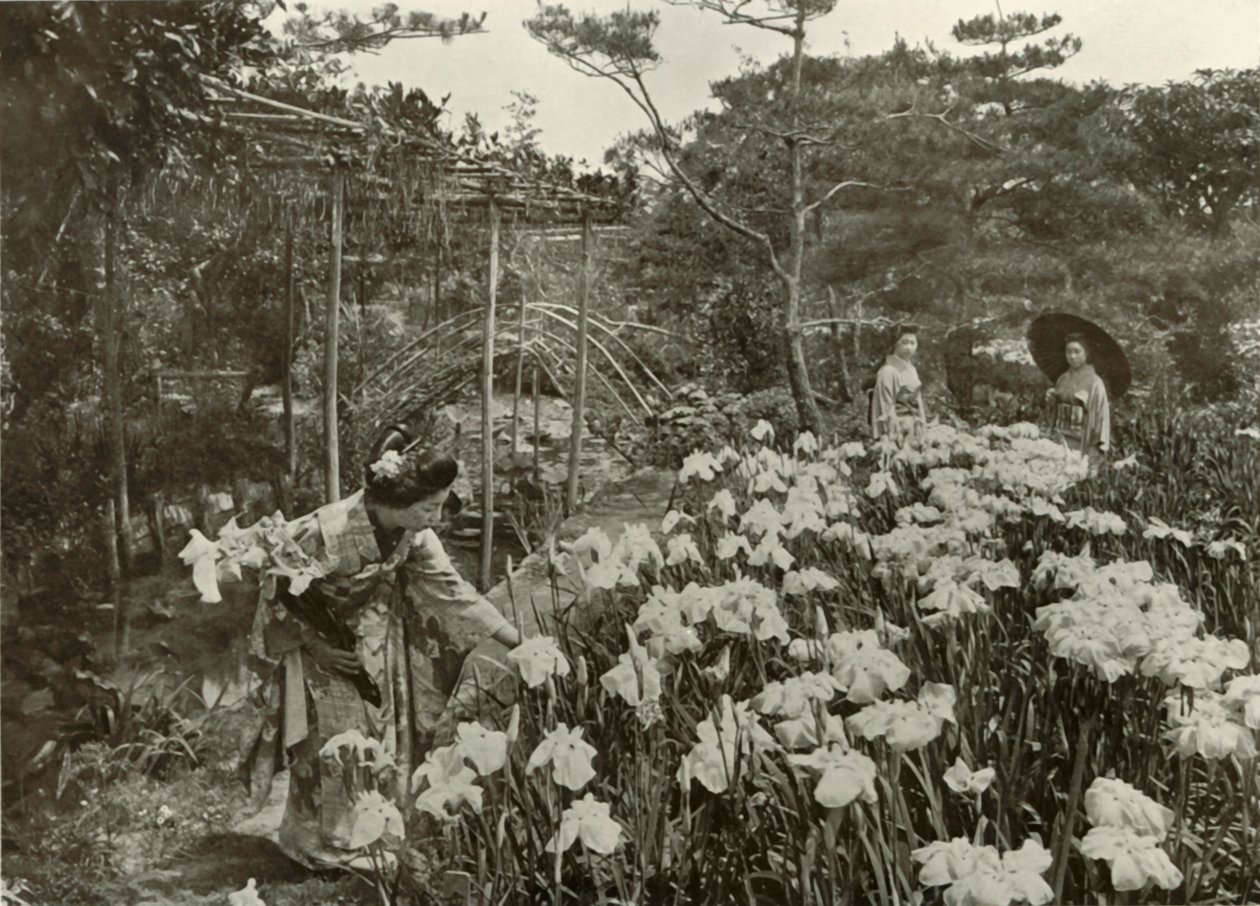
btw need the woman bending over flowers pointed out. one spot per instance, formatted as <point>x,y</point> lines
<point>375,645</point>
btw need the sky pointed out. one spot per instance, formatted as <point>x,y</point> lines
<point>1144,41</point>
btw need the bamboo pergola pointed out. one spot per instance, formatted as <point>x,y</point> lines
<point>374,172</point>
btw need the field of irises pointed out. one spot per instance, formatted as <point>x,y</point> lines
<point>955,670</point>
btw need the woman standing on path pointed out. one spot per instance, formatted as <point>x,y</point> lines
<point>1086,365</point>
<point>375,645</point>
<point>897,400</point>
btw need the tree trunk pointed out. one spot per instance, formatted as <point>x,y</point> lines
<point>332,317</point>
<point>797,368</point>
<point>579,381</point>
<point>487,398</point>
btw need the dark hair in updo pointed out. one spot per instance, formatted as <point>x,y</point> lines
<point>1082,340</point>
<point>904,330</point>
<point>422,473</point>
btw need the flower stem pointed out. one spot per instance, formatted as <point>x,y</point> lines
<point>1074,801</point>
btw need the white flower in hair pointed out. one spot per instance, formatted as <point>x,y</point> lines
<point>389,465</point>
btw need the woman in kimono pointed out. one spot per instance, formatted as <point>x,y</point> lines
<point>1081,414</point>
<point>376,645</point>
<point>897,401</point>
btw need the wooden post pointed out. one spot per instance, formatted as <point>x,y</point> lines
<point>435,305</point>
<point>537,391</point>
<point>202,516</point>
<point>487,398</point>
<point>290,422</point>
<point>579,381</point>
<point>112,331</point>
<point>846,395</point>
<point>332,317</point>
<point>520,373</point>
<point>109,525</point>
<point>157,525</point>
<point>242,509</point>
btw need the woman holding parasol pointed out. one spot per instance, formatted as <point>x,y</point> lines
<point>1089,370</point>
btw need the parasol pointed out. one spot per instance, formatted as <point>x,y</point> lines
<point>1048,335</point>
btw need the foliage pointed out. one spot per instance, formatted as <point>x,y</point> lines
<point>692,420</point>
<point>1194,145</point>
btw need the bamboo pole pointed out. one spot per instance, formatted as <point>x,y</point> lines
<point>158,525</point>
<point>112,329</point>
<point>536,392</point>
<point>487,398</point>
<point>109,525</point>
<point>332,316</point>
<point>290,422</point>
<point>520,373</point>
<point>579,383</point>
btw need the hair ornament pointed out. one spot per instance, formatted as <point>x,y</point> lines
<point>390,465</point>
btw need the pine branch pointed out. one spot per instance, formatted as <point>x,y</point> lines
<point>978,140</point>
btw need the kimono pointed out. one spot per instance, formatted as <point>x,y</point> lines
<point>411,618</point>
<point>1081,415</point>
<point>897,400</point>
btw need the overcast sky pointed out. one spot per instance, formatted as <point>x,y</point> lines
<point>1148,41</point>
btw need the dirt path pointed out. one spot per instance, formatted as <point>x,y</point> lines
<point>643,497</point>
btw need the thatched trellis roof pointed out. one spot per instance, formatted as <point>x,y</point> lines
<point>391,169</point>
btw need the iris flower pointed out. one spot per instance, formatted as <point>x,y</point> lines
<point>681,549</point>
<point>724,502</point>
<point>672,520</point>
<point>1243,692</point>
<point>486,749</point>
<point>589,821</point>
<point>843,776</point>
<point>1135,859</point>
<point>1207,728</point>
<point>637,677</point>
<point>723,742</point>
<point>538,658</point>
<point>450,783</point>
<point>961,779</point>
<point>978,876</point>
<point>730,544</point>
<point>804,581</point>
<point>701,465</point>
<point>569,756</point>
<point>794,696</point>
<point>374,817</point>
<point>1114,803</point>
<point>1194,662</point>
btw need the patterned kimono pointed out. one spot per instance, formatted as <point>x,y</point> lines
<point>412,620</point>
<point>897,401</point>
<point>1081,417</point>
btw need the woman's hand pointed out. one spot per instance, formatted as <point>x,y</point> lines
<point>334,660</point>
<point>1049,394</point>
